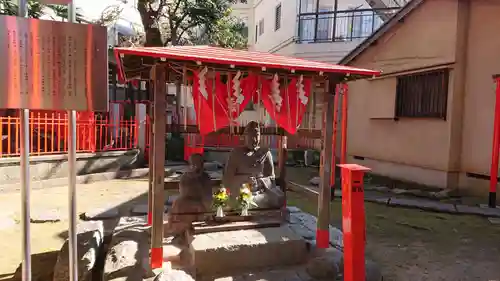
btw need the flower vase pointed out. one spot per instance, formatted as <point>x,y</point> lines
<point>244,211</point>
<point>220,212</point>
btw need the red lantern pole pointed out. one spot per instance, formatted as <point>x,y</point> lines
<point>496,148</point>
<point>353,221</point>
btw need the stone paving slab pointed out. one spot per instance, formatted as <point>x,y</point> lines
<point>495,221</point>
<point>379,200</point>
<point>486,212</point>
<point>486,206</point>
<point>423,204</point>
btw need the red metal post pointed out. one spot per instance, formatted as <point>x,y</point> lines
<point>495,150</point>
<point>353,221</point>
<point>343,153</point>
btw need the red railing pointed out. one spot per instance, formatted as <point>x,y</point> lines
<point>49,133</point>
<point>230,141</point>
<point>97,132</point>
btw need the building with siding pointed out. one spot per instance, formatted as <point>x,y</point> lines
<point>429,117</point>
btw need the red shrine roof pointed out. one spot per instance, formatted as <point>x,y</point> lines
<point>207,54</point>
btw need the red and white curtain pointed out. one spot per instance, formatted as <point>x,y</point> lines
<point>219,102</point>
<point>286,100</point>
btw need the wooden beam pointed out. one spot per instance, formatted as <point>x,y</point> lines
<point>193,129</point>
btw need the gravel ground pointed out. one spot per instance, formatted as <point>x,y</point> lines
<point>409,245</point>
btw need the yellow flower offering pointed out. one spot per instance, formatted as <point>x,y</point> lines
<point>245,197</point>
<point>220,197</point>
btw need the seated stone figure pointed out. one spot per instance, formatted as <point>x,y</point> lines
<point>254,165</point>
<point>195,199</point>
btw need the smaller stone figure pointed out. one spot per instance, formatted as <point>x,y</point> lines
<point>194,201</point>
<point>196,183</point>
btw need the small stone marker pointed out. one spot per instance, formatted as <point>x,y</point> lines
<point>90,237</point>
<point>327,266</point>
<point>315,181</point>
<point>128,254</point>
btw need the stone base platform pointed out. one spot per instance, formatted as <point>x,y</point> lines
<point>242,250</point>
<point>281,253</point>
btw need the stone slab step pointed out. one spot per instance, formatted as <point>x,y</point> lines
<point>249,249</point>
<point>200,228</point>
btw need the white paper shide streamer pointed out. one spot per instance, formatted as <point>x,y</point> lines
<point>275,96</point>
<point>236,99</point>
<point>201,79</point>
<point>302,93</point>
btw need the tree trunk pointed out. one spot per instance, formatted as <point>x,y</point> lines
<point>148,18</point>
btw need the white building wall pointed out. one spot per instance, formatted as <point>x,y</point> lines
<point>283,41</point>
<point>265,10</point>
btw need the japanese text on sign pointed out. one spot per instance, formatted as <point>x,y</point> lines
<point>52,65</point>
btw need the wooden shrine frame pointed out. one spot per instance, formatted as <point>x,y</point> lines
<point>161,65</point>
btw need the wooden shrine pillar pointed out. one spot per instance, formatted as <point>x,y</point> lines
<point>326,167</point>
<point>282,157</point>
<point>149,113</point>
<point>158,168</point>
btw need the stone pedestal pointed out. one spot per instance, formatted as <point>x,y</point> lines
<point>221,252</point>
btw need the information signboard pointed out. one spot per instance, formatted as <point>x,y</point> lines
<point>53,65</point>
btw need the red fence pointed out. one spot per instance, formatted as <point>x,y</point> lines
<point>97,132</point>
<point>49,133</point>
<point>228,141</point>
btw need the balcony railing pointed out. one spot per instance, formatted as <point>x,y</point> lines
<point>341,26</point>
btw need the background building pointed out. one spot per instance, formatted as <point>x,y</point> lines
<point>429,118</point>
<point>323,30</point>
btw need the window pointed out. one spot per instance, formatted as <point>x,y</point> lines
<point>423,94</point>
<point>324,28</point>
<point>277,19</point>
<point>261,27</point>
<point>256,32</point>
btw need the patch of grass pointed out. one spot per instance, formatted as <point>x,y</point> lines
<point>383,223</point>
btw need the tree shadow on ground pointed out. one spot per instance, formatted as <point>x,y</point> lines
<point>40,263</point>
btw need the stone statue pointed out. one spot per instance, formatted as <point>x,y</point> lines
<point>254,165</point>
<point>195,199</point>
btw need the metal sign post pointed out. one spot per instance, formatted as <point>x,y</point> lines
<point>51,66</point>
<point>25,176</point>
<point>73,252</point>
